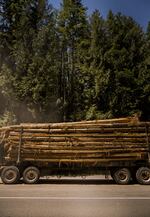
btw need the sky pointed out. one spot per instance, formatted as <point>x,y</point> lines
<point>139,10</point>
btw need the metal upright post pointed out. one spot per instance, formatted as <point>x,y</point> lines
<point>19,147</point>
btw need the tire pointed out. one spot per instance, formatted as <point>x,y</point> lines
<point>10,175</point>
<point>31,175</point>
<point>122,176</point>
<point>143,175</point>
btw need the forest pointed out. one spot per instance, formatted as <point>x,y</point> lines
<point>66,65</point>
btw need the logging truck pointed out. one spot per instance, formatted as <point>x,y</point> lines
<point>118,147</point>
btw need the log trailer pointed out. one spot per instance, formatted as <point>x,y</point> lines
<point>120,147</point>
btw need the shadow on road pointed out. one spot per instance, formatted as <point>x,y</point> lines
<point>64,181</point>
<point>67,181</point>
<point>76,181</point>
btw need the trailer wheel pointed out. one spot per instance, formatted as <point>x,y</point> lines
<point>143,175</point>
<point>10,175</point>
<point>31,175</point>
<point>122,176</point>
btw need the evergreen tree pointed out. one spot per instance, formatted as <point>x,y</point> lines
<point>124,59</point>
<point>33,54</point>
<point>73,30</point>
<point>62,66</point>
<point>144,79</point>
<point>92,67</point>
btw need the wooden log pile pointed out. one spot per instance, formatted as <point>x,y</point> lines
<point>86,141</point>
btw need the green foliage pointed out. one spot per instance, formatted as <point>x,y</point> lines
<point>73,31</point>
<point>7,118</point>
<point>63,66</point>
<point>32,61</point>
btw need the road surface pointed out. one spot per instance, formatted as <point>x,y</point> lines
<point>92,197</point>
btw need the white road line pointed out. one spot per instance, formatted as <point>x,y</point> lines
<point>77,198</point>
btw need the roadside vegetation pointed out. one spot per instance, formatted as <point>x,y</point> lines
<point>66,65</point>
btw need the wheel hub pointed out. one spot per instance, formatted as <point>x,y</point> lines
<point>145,175</point>
<point>122,176</point>
<point>10,175</point>
<point>31,175</point>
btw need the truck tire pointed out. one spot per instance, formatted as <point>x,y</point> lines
<point>122,176</point>
<point>143,175</point>
<point>10,175</point>
<point>31,175</point>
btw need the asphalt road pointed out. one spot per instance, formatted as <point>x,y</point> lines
<point>92,197</point>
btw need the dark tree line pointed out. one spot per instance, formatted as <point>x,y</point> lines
<point>64,65</point>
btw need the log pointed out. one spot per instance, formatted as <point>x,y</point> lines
<point>99,123</point>
<point>72,152</point>
<point>45,132</point>
<point>85,157</point>
<point>78,139</point>
<point>73,136</point>
<point>115,120</point>
<point>82,161</point>
<point>87,140</point>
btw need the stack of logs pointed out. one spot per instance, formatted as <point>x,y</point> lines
<point>85,141</point>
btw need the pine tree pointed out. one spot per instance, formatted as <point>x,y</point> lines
<point>125,60</point>
<point>73,29</point>
<point>99,46</point>
<point>144,78</point>
<point>80,68</point>
<point>92,65</point>
<point>33,53</point>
